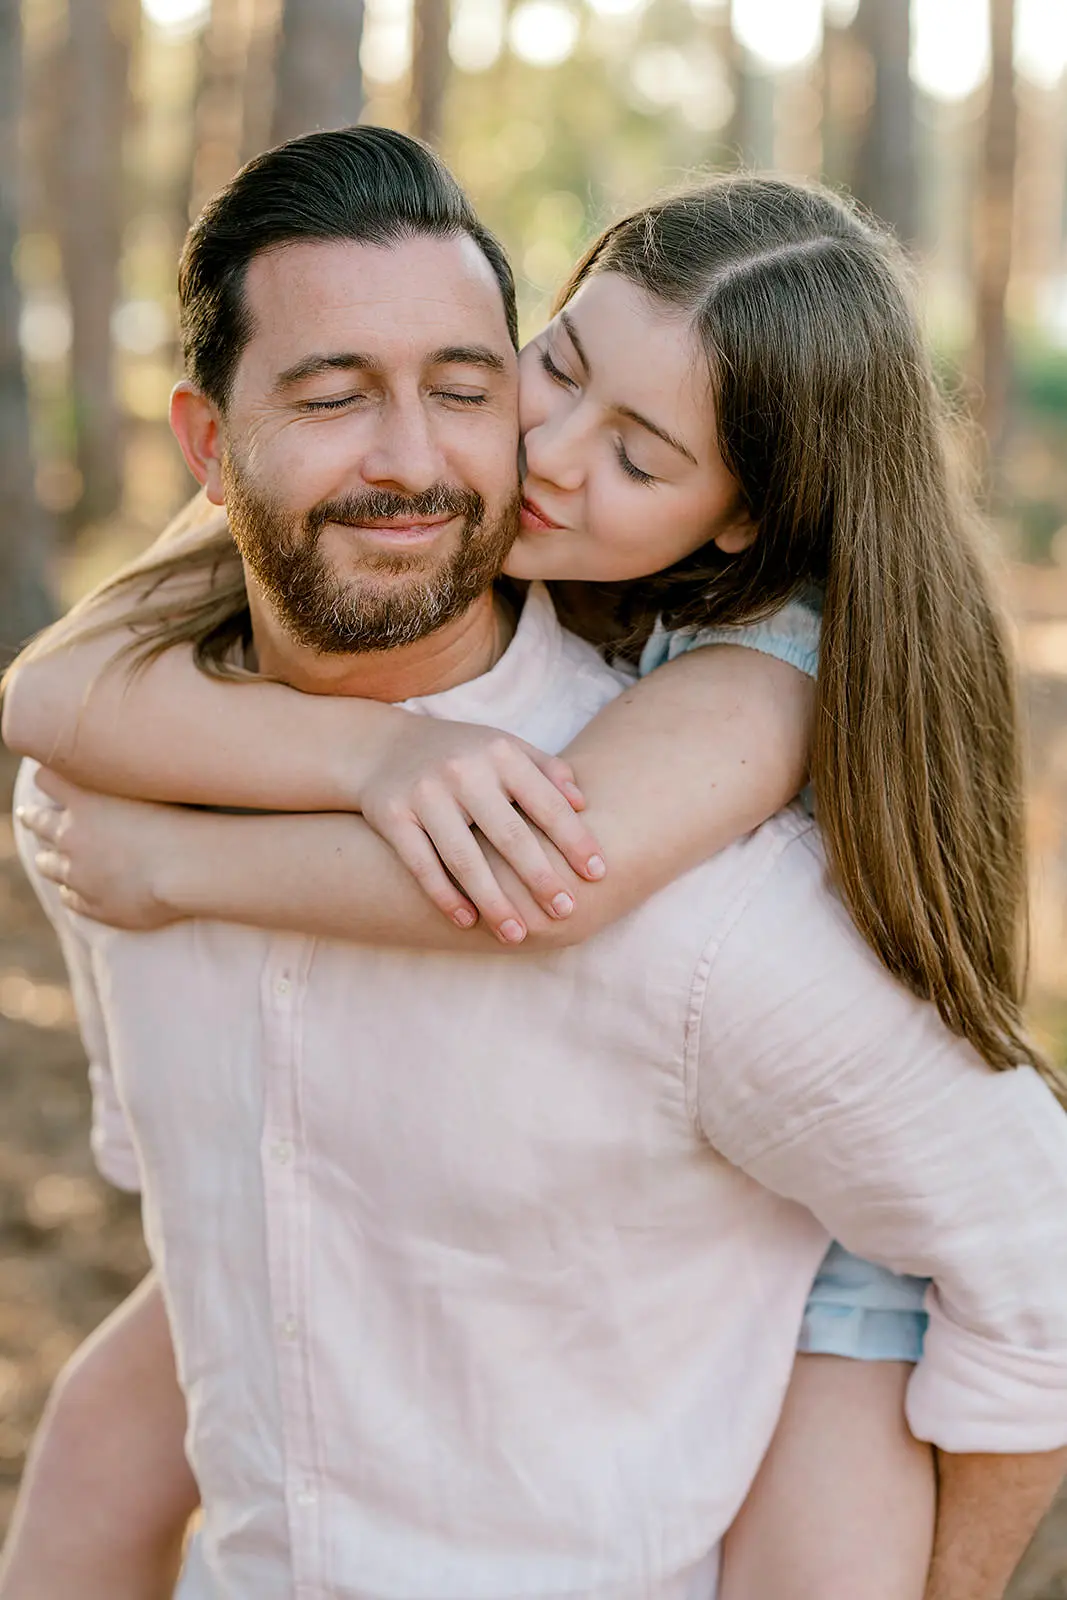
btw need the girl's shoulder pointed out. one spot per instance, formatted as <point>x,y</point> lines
<point>789,634</point>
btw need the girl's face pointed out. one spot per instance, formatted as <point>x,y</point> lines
<point>623,475</point>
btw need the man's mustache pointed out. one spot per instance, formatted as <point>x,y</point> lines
<point>385,505</point>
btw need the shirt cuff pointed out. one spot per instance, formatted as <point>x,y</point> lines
<point>971,1395</point>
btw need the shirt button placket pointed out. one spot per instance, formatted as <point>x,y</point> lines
<point>283,1180</point>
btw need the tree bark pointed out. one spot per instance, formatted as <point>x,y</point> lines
<point>885,176</point>
<point>994,226</point>
<point>25,530</point>
<point>220,100</point>
<point>740,139</point>
<point>429,68</point>
<point>96,80</point>
<point>318,81</point>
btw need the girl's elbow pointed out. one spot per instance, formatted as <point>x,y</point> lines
<point>16,714</point>
<point>31,719</point>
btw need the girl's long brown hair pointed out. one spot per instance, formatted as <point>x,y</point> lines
<point>830,418</point>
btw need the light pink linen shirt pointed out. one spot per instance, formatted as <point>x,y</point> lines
<point>485,1273</point>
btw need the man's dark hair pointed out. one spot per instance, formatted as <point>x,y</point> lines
<point>366,185</point>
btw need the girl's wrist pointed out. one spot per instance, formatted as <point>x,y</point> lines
<point>363,733</point>
<point>183,869</point>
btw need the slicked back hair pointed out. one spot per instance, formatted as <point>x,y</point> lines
<point>363,184</point>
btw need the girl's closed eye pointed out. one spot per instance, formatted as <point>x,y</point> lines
<point>554,372</point>
<point>630,468</point>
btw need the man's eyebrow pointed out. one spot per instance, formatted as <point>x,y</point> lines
<point>468,355</point>
<point>626,411</point>
<point>316,366</point>
<point>464,355</point>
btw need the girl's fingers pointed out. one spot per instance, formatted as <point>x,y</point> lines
<point>512,836</point>
<point>73,901</point>
<point>53,866</point>
<point>561,774</point>
<point>546,806</point>
<point>450,832</point>
<point>51,784</point>
<point>43,821</point>
<point>417,853</point>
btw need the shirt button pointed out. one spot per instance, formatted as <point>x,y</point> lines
<point>306,1497</point>
<point>290,1328</point>
<point>281,1152</point>
<point>281,987</point>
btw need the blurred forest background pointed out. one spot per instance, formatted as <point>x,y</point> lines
<point>118,118</point>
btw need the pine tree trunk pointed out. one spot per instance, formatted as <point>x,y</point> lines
<point>885,176</point>
<point>220,100</point>
<point>740,139</point>
<point>318,81</point>
<point>429,68</point>
<point>25,530</point>
<point>96,81</point>
<point>994,218</point>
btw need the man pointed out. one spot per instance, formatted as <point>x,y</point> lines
<point>484,1276</point>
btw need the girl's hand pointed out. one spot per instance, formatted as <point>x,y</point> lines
<point>102,852</point>
<point>442,780</point>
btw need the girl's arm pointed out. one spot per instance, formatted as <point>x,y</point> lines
<point>166,731</point>
<point>675,769</point>
<point>107,1492</point>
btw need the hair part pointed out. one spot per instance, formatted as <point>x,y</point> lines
<point>829,417</point>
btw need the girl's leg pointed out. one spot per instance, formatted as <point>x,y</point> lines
<point>107,1492</point>
<point>845,1500</point>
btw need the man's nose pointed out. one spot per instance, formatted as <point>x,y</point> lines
<point>405,453</point>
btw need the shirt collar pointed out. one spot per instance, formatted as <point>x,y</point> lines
<point>511,689</point>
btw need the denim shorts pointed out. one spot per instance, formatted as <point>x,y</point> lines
<point>863,1311</point>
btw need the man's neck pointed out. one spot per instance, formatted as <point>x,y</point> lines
<point>455,654</point>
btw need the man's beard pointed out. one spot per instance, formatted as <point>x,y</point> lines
<point>354,614</point>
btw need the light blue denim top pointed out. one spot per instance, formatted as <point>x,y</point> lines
<point>856,1308</point>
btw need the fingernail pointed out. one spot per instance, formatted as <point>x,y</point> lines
<point>563,905</point>
<point>512,932</point>
<point>595,867</point>
<point>464,917</point>
<point>572,791</point>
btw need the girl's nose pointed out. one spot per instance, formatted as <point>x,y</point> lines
<point>553,454</point>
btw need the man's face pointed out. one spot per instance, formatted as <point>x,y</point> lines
<point>370,439</point>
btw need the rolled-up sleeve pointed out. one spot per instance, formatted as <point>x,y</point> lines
<point>829,1083</point>
<point>113,1147</point>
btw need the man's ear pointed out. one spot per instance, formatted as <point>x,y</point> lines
<point>196,425</point>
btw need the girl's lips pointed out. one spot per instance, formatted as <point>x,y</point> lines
<point>533,517</point>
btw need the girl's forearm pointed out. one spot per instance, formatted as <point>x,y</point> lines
<point>330,876</point>
<point>255,744</point>
<point>672,772</point>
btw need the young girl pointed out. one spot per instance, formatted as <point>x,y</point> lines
<point>730,422</point>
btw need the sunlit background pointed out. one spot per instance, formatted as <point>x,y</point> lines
<point>119,117</point>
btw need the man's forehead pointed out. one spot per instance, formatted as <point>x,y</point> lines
<point>442,286</point>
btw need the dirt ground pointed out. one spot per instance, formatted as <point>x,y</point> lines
<point>70,1247</point>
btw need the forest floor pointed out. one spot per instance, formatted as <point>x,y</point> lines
<point>70,1246</point>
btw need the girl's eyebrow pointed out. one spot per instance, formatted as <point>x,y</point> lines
<point>660,433</point>
<point>626,411</point>
<point>572,334</point>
